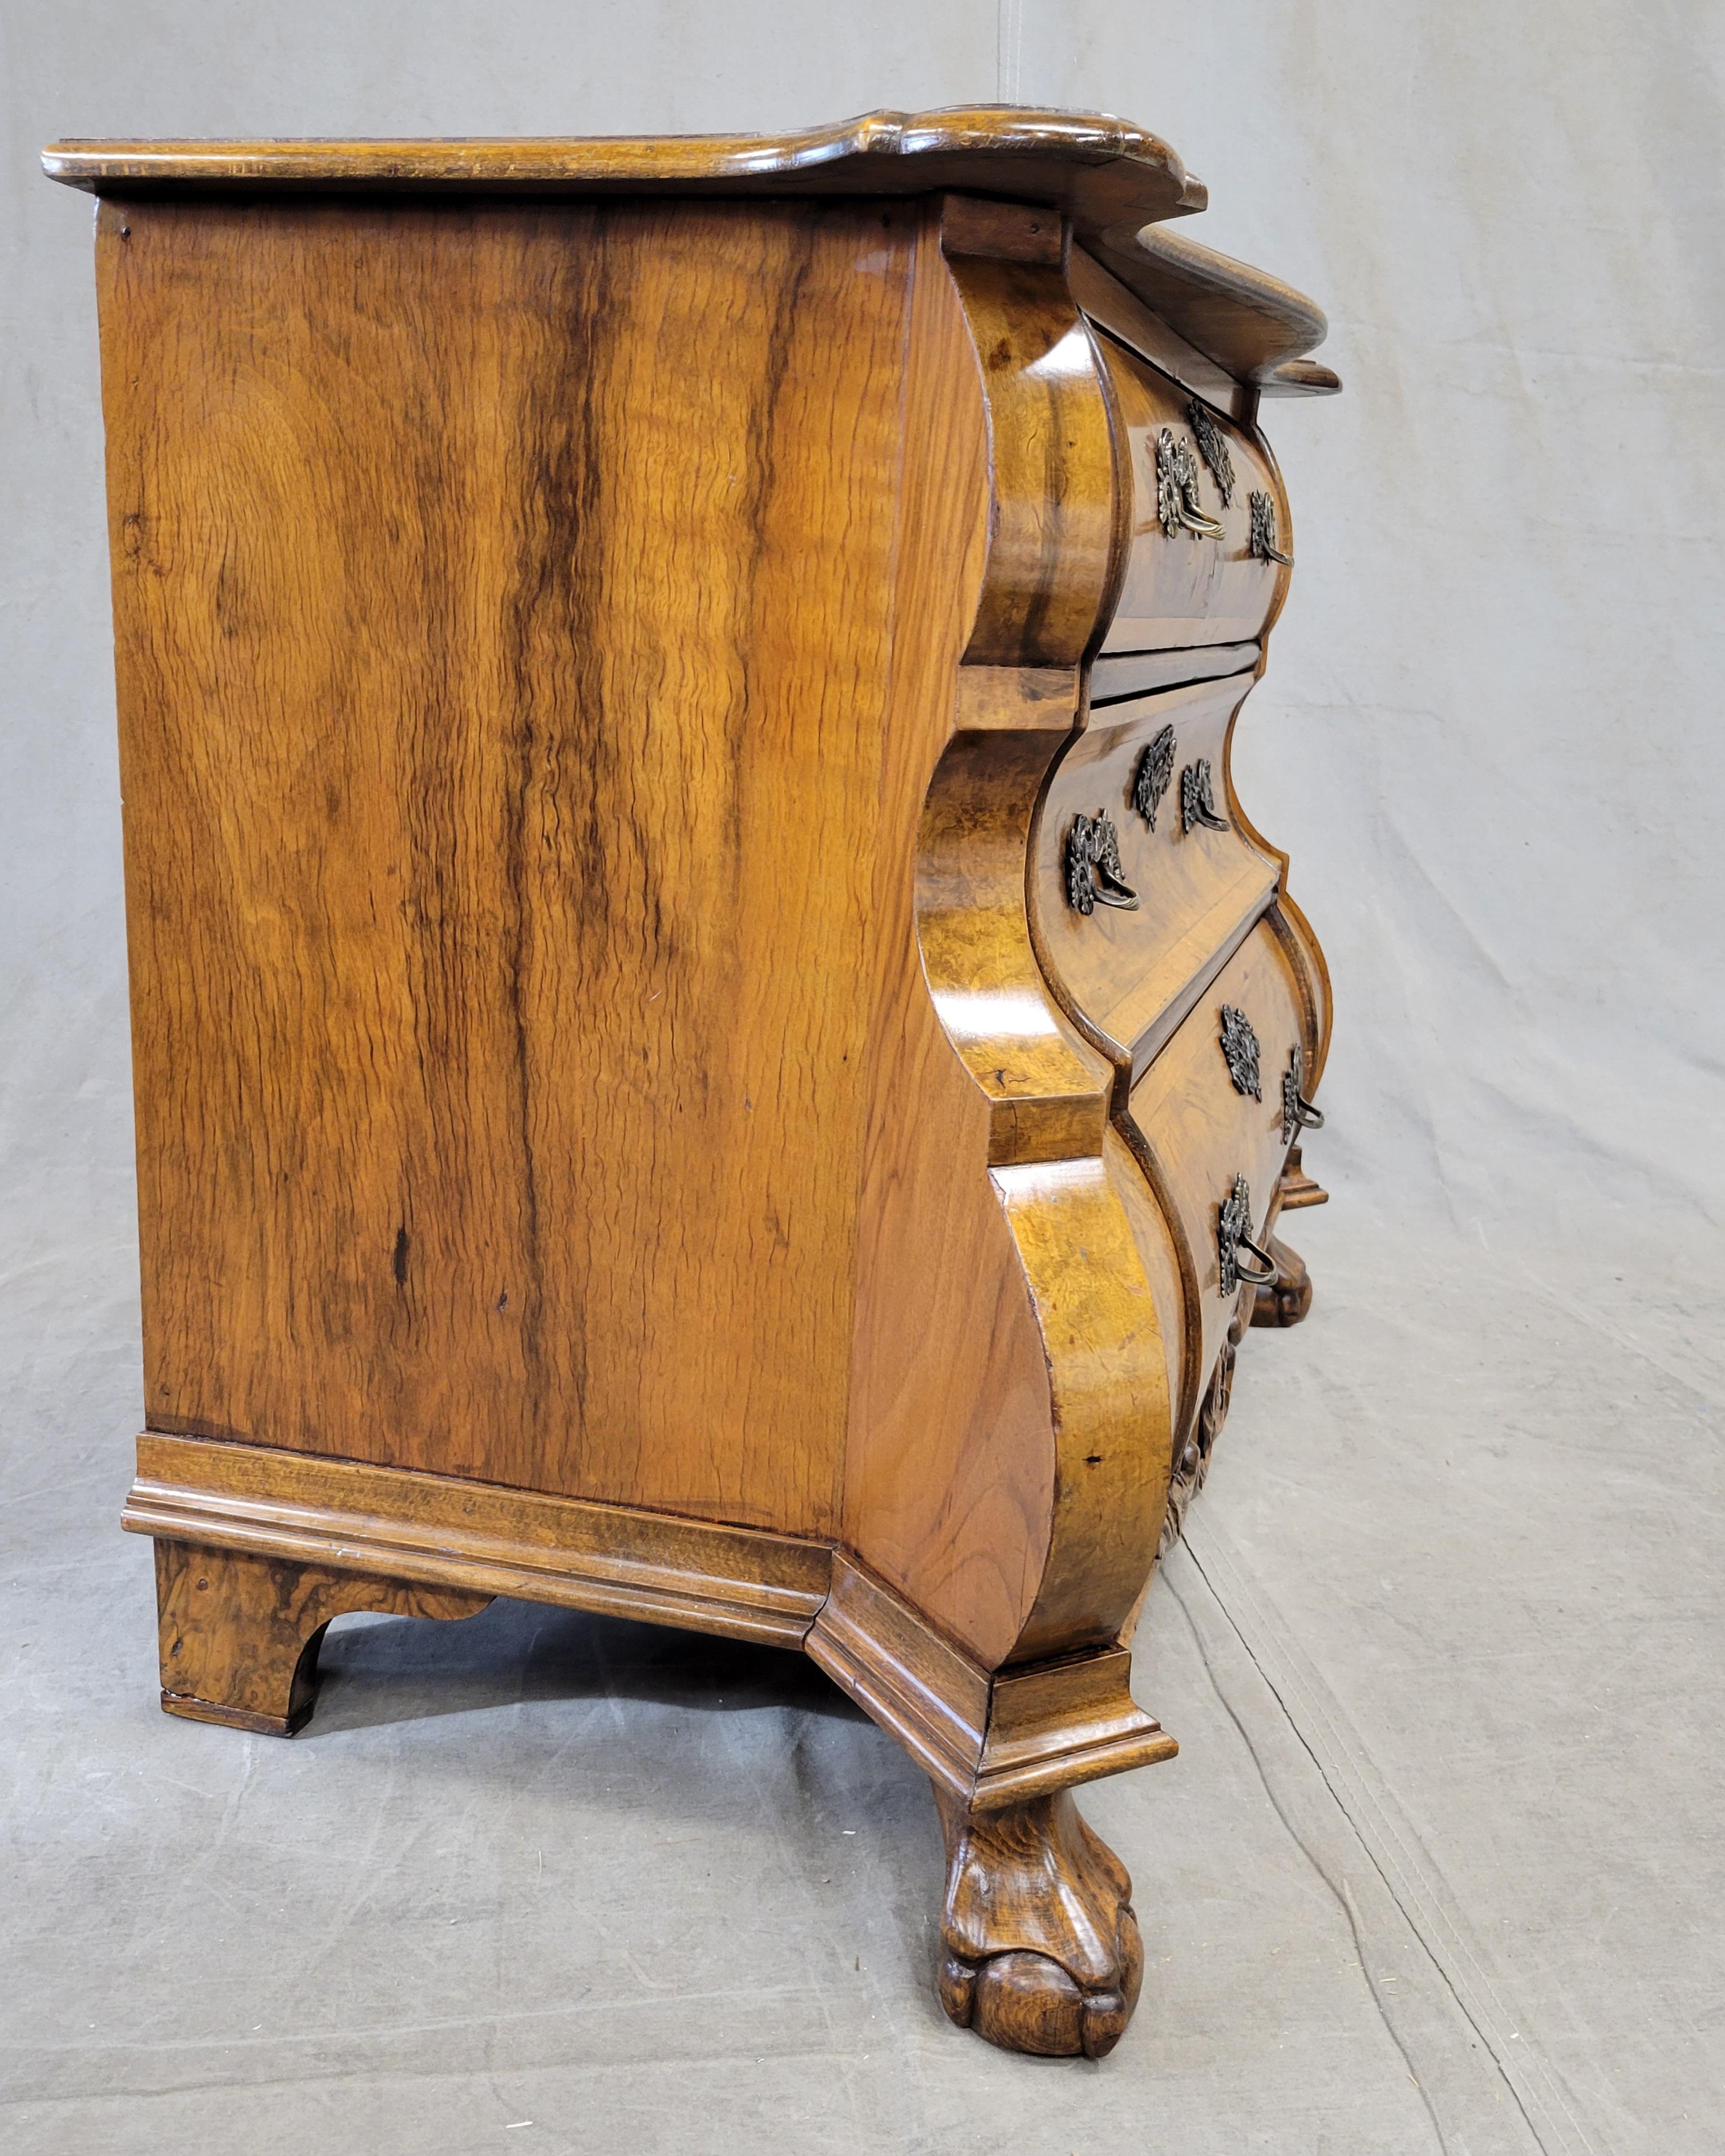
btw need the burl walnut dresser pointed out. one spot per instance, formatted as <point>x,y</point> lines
<point>712,1041</point>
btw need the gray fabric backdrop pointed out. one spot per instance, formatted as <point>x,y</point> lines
<point>1480,1493</point>
<point>1489,735</point>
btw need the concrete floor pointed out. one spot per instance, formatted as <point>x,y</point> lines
<point>1438,1868</point>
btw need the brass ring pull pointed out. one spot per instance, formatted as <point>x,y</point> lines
<point>1255,1279</point>
<point>1298,1112</point>
<point>1234,1223</point>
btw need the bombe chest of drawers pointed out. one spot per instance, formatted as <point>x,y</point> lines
<point>711,1040</point>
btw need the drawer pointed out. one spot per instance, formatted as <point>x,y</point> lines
<point>1183,585</point>
<point>1123,972</point>
<point>1197,1125</point>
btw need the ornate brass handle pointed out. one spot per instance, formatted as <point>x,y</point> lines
<point>1240,1051</point>
<point>1263,540</point>
<point>1234,1223</point>
<point>1212,449</point>
<point>1155,775</point>
<point>1298,1112</point>
<point>1178,507</point>
<point>1197,804</point>
<point>1094,876</point>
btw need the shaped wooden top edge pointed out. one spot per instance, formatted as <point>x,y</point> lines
<point>1114,180</point>
<point>1300,377</point>
<point>1252,325</point>
<point>1026,150</point>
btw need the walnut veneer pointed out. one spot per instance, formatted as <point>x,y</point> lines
<point>711,1040</point>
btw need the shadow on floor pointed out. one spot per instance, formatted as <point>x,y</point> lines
<point>379,1669</point>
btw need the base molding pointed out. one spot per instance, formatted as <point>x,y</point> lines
<point>743,1582</point>
<point>989,1738</point>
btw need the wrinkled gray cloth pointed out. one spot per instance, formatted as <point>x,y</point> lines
<point>1439,1866</point>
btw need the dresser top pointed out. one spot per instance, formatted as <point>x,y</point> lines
<point>1114,181</point>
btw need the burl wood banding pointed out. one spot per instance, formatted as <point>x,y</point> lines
<point>614,640</point>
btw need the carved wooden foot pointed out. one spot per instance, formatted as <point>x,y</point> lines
<point>1286,1299</point>
<point>240,1633</point>
<point>1039,1947</point>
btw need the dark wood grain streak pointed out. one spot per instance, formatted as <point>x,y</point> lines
<point>541,890</point>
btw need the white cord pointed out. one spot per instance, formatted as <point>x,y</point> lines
<point>1010,51</point>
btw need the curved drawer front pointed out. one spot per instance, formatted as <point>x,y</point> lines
<point>1124,972</point>
<point>1196,1121</point>
<point>1182,586</point>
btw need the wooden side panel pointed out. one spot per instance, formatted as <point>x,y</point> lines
<point>503,653</point>
<point>949,1467</point>
<point>1008,1449</point>
<point>1102,1333</point>
<point>1052,535</point>
<point>1159,1254</point>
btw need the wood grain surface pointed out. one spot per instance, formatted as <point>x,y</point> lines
<point>1126,977</point>
<point>1054,500</point>
<point>1111,180</point>
<point>1183,589</point>
<point>1007,1446</point>
<point>1116,675</point>
<point>990,1740</point>
<point>438,1531</point>
<point>1250,323</point>
<point>1127,318</point>
<point>612,638</point>
<point>1104,172</point>
<point>501,707</point>
<point>1194,1131</point>
<point>1041,1950</point>
<point>525,724</point>
<point>239,1634</point>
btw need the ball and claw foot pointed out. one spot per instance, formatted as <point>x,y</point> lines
<point>1041,1950</point>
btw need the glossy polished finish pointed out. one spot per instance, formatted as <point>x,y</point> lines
<point>1109,181</point>
<point>629,1111</point>
<point>1187,593</point>
<point>1127,978</point>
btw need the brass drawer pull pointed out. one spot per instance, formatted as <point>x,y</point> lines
<point>1178,507</point>
<point>1197,804</point>
<point>1234,1222</point>
<point>1298,1112</point>
<point>1264,545</point>
<point>1240,1051</point>
<point>1212,449</point>
<point>1094,876</point>
<point>1155,775</point>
